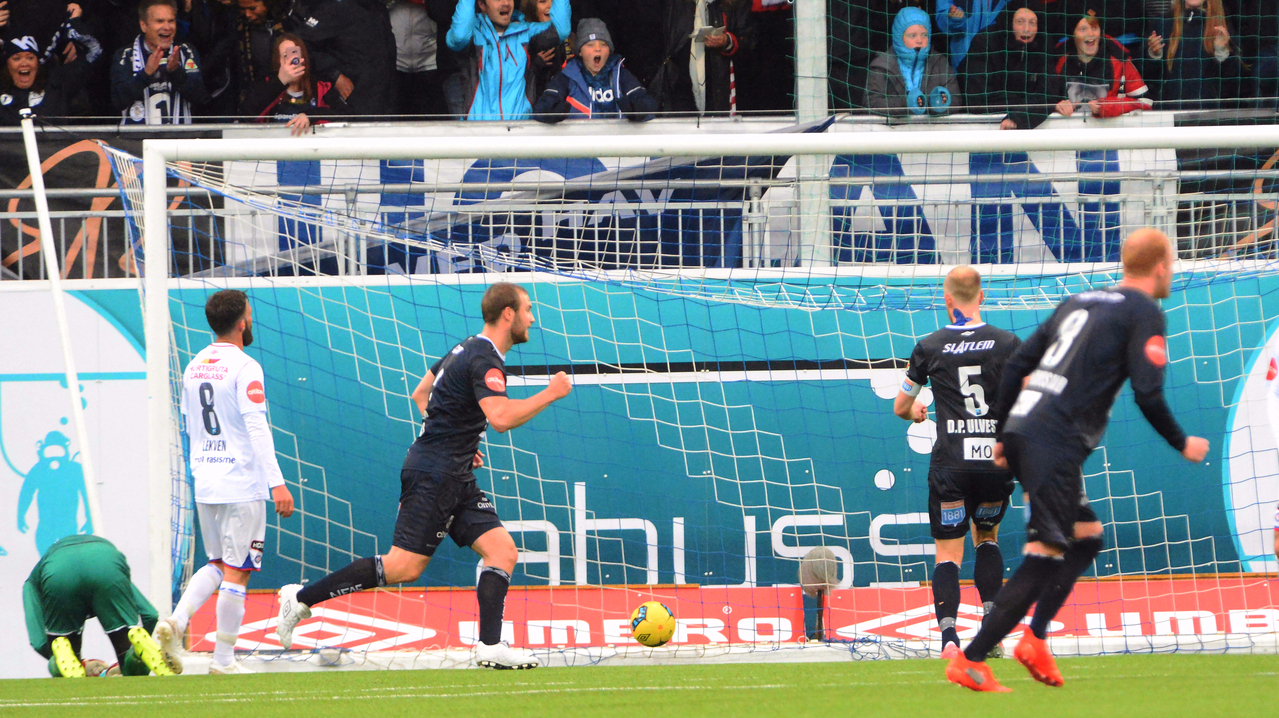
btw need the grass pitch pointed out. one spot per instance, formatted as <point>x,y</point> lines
<point>1168,685</point>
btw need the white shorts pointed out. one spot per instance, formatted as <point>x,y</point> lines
<point>234,533</point>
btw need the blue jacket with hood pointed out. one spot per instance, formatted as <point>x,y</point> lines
<point>501,92</point>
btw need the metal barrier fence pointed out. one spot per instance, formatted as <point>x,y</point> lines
<point>946,214</point>
<point>570,235</point>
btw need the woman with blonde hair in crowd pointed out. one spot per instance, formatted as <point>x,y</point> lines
<point>1192,58</point>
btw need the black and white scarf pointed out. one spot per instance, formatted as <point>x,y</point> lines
<point>157,106</point>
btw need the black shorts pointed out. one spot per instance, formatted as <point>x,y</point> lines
<point>1051,474</point>
<point>433,506</point>
<point>956,497</point>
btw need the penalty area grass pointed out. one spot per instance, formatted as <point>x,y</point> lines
<point>1135,685</point>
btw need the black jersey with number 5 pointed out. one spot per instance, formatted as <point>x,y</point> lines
<point>473,370</point>
<point>1077,362</point>
<point>963,364</point>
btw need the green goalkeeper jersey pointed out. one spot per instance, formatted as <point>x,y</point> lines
<point>78,578</point>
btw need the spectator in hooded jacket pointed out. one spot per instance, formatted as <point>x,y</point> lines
<point>594,85</point>
<point>962,20</point>
<point>1098,74</point>
<point>1009,69</point>
<point>910,79</point>
<point>27,82</point>
<point>500,36</point>
<point>1192,61</point>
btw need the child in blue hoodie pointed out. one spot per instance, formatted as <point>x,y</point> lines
<point>594,85</point>
<point>501,36</point>
<point>909,79</point>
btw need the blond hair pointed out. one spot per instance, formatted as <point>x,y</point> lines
<point>963,285</point>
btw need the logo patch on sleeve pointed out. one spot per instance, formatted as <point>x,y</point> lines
<point>255,392</point>
<point>1157,351</point>
<point>495,380</point>
<point>1273,370</point>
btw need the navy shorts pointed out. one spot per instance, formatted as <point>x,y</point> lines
<point>957,498</point>
<point>434,506</point>
<point>1051,474</point>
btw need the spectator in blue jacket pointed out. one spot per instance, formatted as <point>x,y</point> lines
<point>961,20</point>
<point>500,37</point>
<point>594,85</point>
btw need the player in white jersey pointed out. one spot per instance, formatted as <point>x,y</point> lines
<point>1272,409</point>
<point>235,471</point>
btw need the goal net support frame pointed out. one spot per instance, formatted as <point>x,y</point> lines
<point>814,254</point>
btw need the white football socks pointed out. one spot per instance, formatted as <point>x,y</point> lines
<point>230,615</point>
<point>199,589</point>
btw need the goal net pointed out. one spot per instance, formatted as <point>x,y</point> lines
<point>736,325</point>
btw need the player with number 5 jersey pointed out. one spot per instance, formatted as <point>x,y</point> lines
<point>963,362</point>
<point>235,470</point>
<point>1054,402</point>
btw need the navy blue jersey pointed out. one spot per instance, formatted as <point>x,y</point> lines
<point>963,364</point>
<point>1078,360</point>
<point>454,421</point>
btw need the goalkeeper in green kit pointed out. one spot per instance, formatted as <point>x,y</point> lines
<point>78,578</point>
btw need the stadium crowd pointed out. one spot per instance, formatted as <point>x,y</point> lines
<point>300,61</point>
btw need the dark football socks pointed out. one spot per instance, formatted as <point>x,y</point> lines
<point>1077,560</point>
<point>946,599</point>
<point>490,591</point>
<point>360,575</point>
<point>1012,602</point>
<point>988,571</point>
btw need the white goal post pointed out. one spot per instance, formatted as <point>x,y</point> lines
<point>157,153</point>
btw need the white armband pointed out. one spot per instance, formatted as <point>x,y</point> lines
<point>910,388</point>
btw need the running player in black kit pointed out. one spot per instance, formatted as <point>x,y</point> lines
<point>963,363</point>
<point>1073,367</point>
<point>462,395</point>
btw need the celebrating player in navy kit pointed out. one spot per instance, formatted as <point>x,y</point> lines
<point>963,362</point>
<point>1073,367</point>
<point>462,394</point>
